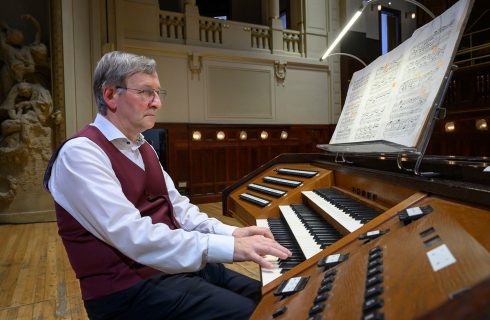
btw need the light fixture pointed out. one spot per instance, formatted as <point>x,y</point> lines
<point>348,55</point>
<point>243,135</point>
<point>413,15</point>
<point>343,32</point>
<point>284,135</point>
<point>450,126</point>
<point>220,135</point>
<point>264,135</point>
<point>380,7</point>
<point>356,16</point>
<point>481,124</point>
<point>196,136</point>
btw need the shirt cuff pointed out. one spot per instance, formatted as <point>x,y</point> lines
<point>224,229</point>
<point>220,248</point>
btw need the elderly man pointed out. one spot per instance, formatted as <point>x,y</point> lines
<point>138,247</point>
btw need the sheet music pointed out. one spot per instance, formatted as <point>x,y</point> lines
<point>391,99</point>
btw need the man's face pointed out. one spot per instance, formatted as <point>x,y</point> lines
<point>134,112</point>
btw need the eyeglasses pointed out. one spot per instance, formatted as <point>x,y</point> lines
<point>147,94</point>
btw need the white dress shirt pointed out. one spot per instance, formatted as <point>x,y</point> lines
<point>84,184</point>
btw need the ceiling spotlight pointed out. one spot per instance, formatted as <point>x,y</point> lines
<point>243,135</point>
<point>264,135</point>
<point>284,135</point>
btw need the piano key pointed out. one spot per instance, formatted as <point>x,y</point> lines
<point>297,172</point>
<point>267,190</point>
<point>341,217</point>
<point>322,232</point>
<point>355,209</point>
<point>283,235</point>
<point>302,235</point>
<point>281,181</point>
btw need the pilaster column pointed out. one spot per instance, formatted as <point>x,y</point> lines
<point>192,16</point>
<point>276,26</point>
<point>273,9</point>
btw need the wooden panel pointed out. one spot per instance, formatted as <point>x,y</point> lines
<point>380,196</point>
<point>202,169</point>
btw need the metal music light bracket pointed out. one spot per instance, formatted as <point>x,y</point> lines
<point>342,159</point>
<point>437,113</point>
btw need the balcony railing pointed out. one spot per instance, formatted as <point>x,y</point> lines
<point>172,26</point>
<point>292,41</point>
<point>260,37</point>
<point>228,34</point>
<point>210,30</point>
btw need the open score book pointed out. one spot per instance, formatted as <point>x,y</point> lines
<point>392,98</point>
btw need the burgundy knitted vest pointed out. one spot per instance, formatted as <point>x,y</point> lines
<point>102,269</point>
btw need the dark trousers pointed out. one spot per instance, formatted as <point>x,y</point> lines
<point>212,293</point>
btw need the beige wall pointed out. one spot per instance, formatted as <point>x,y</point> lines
<point>203,82</point>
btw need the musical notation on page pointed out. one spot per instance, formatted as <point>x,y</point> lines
<point>391,99</point>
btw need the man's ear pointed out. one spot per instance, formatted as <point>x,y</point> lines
<point>109,94</point>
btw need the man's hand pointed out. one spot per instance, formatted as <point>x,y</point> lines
<point>253,243</point>
<point>252,231</point>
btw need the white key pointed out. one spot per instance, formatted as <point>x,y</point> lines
<point>340,216</point>
<point>269,275</point>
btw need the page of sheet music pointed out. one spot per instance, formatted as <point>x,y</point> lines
<point>392,97</point>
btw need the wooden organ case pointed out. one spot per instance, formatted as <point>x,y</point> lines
<point>423,255</point>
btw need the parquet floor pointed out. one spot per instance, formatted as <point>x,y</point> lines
<point>36,279</point>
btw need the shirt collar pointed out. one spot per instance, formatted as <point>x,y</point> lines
<point>111,132</point>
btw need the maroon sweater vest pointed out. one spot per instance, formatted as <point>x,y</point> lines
<point>101,268</point>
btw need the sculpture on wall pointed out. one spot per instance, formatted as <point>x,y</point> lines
<point>27,116</point>
<point>195,65</point>
<point>280,69</point>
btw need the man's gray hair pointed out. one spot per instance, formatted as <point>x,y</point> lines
<point>114,68</point>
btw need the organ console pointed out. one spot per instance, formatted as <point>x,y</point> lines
<point>369,240</point>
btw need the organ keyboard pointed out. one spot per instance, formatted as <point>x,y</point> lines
<point>440,258</point>
<point>309,230</point>
<point>337,216</point>
<point>283,235</point>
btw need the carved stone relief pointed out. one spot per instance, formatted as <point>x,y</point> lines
<point>195,65</point>
<point>28,119</point>
<point>280,69</point>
